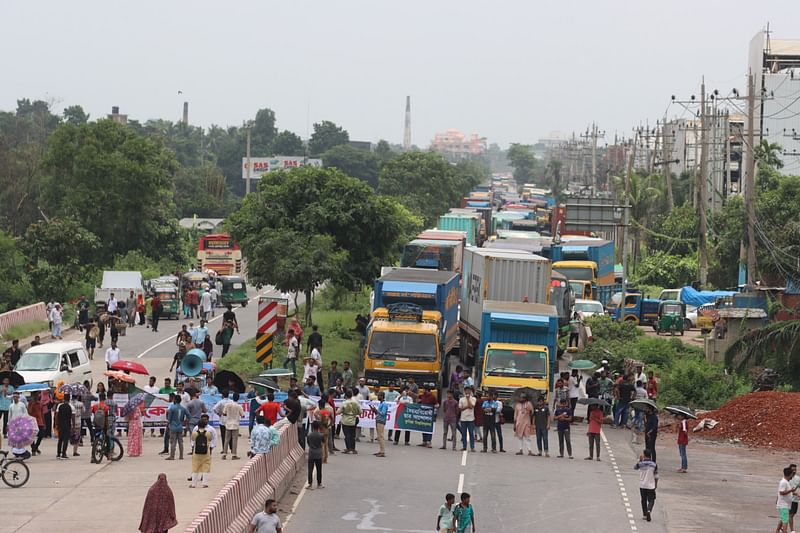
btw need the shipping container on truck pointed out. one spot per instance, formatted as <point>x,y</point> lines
<point>518,348</point>
<point>499,275</point>
<point>470,225</point>
<point>436,254</point>
<point>485,214</point>
<point>414,326</point>
<point>504,219</point>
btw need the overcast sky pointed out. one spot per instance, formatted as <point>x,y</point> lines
<point>512,71</point>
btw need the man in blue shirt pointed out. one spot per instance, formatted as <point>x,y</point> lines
<point>381,413</point>
<point>310,388</point>
<point>199,334</point>
<point>177,420</point>
<point>563,417</point>
<point>261,437</point>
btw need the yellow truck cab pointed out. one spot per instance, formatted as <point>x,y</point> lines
<point>581,274</point>
<point>403,341</point>
<point>507,367</point>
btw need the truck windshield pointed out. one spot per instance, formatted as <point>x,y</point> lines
<point>38,361</point>
<point>516,363</point>
<point>585,274</point>
<point>394,344</point>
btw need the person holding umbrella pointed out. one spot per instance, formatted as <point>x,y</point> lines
<point>651,432</point>
<point>683,441</point>
<point>6,389</point>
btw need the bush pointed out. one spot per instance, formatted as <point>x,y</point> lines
<point>603,327</point>
<point>696,383</point>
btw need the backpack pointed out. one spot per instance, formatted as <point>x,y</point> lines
<point>100,419</point>
<point>218,338</point>
<point>201,443</point>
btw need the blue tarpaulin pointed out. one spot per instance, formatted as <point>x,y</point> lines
<point>696,298</point>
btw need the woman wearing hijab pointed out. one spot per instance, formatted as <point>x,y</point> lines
<point>158,514</point>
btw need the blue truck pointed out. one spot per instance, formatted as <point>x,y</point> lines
<point>642,311</point>
<point>518,348</point>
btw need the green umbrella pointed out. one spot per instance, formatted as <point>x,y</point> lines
<point>581,364</point>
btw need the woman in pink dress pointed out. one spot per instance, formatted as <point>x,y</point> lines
<point>135,433</point>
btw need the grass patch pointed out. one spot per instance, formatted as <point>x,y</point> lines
<point>334,313</point>
<point>26,329</point>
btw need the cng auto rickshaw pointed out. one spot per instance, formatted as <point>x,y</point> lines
<point>671,317</point>
<point>234,290</point>
<point>168,294</point>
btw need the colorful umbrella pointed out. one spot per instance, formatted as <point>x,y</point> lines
<point>130,366</point>
<point>75,389</point>
<point>32,387</point>
<point>121,376</point>
<point>133,403</point>
<point>22,430</point>
<point>581,364</point>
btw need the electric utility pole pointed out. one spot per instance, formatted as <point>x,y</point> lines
<point>249,166</point>
<point>750,182</point>
<point>702,186</point>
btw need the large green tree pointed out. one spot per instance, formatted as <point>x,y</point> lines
<point>263,132</point>
<point>310,225</point>
<point>355,162</point>
<point>16,289</point>
<point>326,135</point>
<point>202,191</point>
<point>287,143</point>
<point>55,263</point>
<point>426,183</point>
<point>522,160</point>
<point>117,184</point>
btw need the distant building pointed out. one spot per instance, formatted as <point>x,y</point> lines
<point>116,117</point>
<point>361,145</point>
<point>775,64</point>
<point>203,224</point>
<point>455,146</point>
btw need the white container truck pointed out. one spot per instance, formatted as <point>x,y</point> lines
<point>501,276</point>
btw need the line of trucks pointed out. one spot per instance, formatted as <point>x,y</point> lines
<point>490,284</point>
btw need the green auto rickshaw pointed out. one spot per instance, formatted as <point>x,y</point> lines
<point>234,290</point>
<point>170,302</point>
<point>671,317</point>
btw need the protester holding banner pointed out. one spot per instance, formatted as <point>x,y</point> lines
<point>405,397</point>
<point>350,411</point>
<point>428,398</point>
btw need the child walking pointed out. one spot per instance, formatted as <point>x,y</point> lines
<point>648,481</point>
<point>444,522</point>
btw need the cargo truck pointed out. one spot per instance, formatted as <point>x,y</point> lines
<point>434,254</point>
<point>517,349</point>
<point>642,311</point>
<point>414,327</point>
<point>469,224</point>
<point>497,275</point>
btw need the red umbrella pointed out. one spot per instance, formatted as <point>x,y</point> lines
<point>130,366</point>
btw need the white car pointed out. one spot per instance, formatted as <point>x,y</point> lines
<point>54,362</point>
<point>588,307</point>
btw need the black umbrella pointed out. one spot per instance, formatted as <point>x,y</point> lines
<point>15,379</point>
<point>681,410</point>
<point>221,379</point>
<point>265,383</point>
<point>642,404</point>
<point>593,401</point>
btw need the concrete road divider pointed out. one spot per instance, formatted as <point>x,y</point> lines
<point>264,476</point>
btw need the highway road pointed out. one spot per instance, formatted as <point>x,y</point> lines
<point>77,496</point>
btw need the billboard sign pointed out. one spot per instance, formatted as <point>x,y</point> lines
<point>262,165</point>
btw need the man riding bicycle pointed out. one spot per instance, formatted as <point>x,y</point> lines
<point>105,420</point>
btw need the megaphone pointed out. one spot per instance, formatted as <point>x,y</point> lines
<point>192,363</point>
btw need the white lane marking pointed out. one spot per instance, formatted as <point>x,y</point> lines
<point>295,505</point>
<point>464,458</point>
<point>620,482</point>
<point>460,484</point>
<point>153,347</point>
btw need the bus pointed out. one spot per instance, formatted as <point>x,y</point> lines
<point>220,253</point>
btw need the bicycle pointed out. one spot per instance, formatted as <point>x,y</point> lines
<point>15,472</point>
<point>106,446</point>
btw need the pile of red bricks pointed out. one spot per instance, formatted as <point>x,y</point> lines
<point>759,419</point>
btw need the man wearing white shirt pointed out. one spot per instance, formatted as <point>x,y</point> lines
<point>317,357</point>
<point>205,305</point>
<point>112,355</point>
<point>111,304</point>
<point>151,388</point>
<point>574,389</point>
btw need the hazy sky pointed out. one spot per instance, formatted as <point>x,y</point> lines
<point>512,71</point>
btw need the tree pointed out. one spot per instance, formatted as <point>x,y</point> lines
<point>310,225</point>
<point>16,289</point>
<point>75,115</point>
<point>287,143</point>
<point>326,135</point>
<point>354,162</point>
<point>262,133</point>
<point>425,183</point>
<point>726,236</point>
<point>641,195</point>
<point>553,176</point>
<point>521,158</point>
<point>766,153</point>
<point>383,151</point>
<point>675,232</point>
<point>57,264</point>
<point>116,184</point>
<point>759,345</point>
<point>202,191</point>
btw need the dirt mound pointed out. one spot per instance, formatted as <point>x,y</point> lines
<point>759,419</point>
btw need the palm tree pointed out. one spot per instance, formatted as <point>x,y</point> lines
<point>756,345</point>
<point>767,154</point>
<point>641,197</point>
<point>553,172</point>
